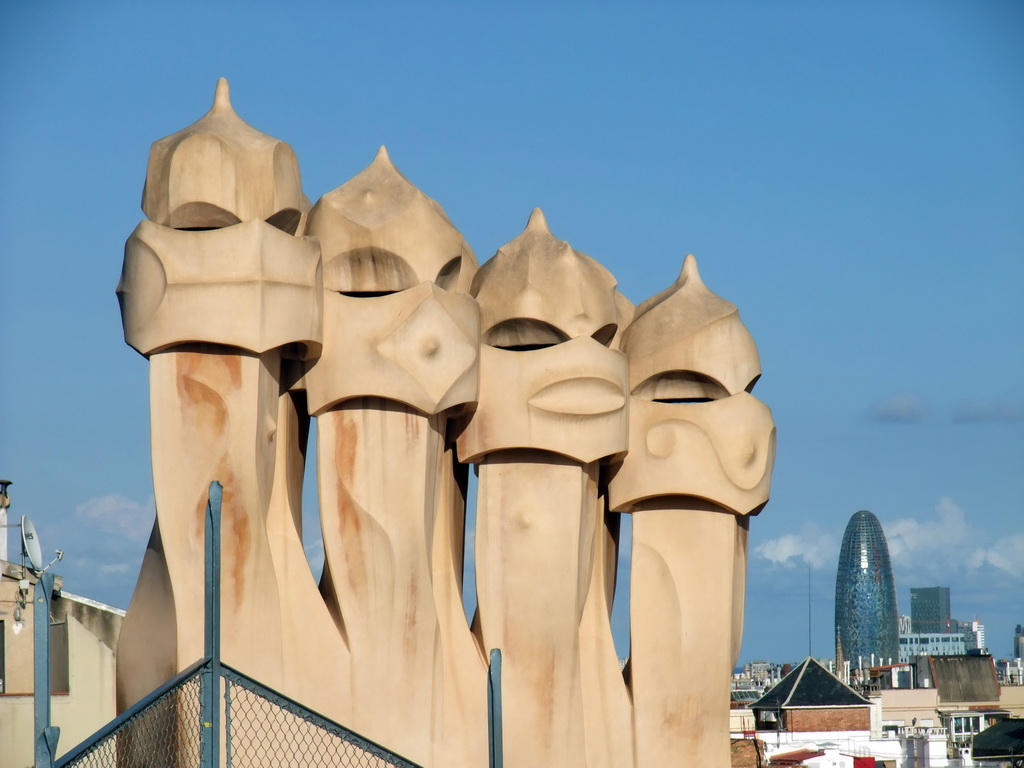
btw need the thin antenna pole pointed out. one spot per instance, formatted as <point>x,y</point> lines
<point>808,609</point>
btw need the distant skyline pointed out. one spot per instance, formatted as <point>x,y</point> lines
<point>851,176</point>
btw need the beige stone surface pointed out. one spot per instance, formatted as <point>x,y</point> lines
<point>250,286</point>
<point>379,233</point>
<point>460,730</point>
<point>417,346</point>
<point>538,289</point>
<point>400,353</point>
<point>698,335</point>
<point>221,171</point>
<point>681,590</point>
<point>377,462</point>
<point>216,308</point>
<point>607,704</point>
<point>701,449</point>
<point>548,379</point>
<point>534,550</point>
<point>311,644</point>
<point>367,312</point>
<point>552,403</point>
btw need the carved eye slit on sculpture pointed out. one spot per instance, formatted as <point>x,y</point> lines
<point>680,387</point>
<point>368,272</point>
<point>448,276</point>
<point>200,217</point>
<point>287,220</point>
<point>523,334</point>
<point>605,334</point>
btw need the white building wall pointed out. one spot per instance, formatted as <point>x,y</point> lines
<point>930,644</point>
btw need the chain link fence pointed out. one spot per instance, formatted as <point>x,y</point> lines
<point>261,729</point>
<point>165,731</point>
<point>264,729</point>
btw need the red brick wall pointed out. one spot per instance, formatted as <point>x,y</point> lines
<point>848,719</point>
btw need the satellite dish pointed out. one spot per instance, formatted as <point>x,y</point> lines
<point>30,544</point>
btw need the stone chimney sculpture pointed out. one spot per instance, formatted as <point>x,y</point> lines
<point>367,313</point>
<point>400,353</point>
<point>701,450</point>
<point>216,291</point>
<point>552,404</point>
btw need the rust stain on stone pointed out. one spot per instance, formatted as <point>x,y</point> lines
<point>202,391</point>
<point>349,525</point>
<point>240,533</point>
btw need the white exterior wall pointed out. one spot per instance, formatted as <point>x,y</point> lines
<point>80,713</point>
<point>925,749</point>
<point>930,644</point>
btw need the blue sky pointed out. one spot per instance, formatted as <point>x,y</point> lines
<point>851,175</point>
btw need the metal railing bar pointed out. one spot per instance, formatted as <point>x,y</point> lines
<point>240,678</point>
<point>227,721</point>
<point>88,744</point>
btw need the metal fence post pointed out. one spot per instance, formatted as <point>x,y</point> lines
<point>494,739</point>
<point>45,734</point>
<point>210,681</point>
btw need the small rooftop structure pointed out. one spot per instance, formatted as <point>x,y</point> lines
<point>796,757</point>
<point>810,685</point>
<point>1002,741</point>
<point>965,678</point>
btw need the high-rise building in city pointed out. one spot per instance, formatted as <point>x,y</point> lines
<point>929,610</point>
<point>974,637</point>
<point>915,644</point>
<point>866,618</point>
<point>1018,642</point>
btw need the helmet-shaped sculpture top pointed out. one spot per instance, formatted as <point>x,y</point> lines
<point>220,171</point>
<point>380,234</point>
<point>538,290</point>
<point>686,330</point>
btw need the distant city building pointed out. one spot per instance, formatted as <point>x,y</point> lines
<point>762,673</point>
<point>867,632</point>
<point>929,610</point>
<point>914,644</point>
<point>974,637</point>
<point>1010,671</point>
<point>904,625</point>
<point>1018,642</point>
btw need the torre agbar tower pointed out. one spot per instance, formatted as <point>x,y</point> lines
<point>866,618</point>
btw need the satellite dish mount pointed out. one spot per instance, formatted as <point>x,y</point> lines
<point>30,548</point>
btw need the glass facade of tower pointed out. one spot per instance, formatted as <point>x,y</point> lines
<point>929,609</point>
<point>866,618</point>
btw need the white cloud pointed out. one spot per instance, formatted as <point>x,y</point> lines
<point>911,540</point>
<point>812,546</point>
<point>900,408</point>
<point>119,516</point>
<point>1000,410</point>
<point>947,549</point>
<point>1007,555</point>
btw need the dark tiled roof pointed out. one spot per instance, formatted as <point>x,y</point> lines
<point>1004,739</point>
<point>810,685</point>
<point>965,678</point>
